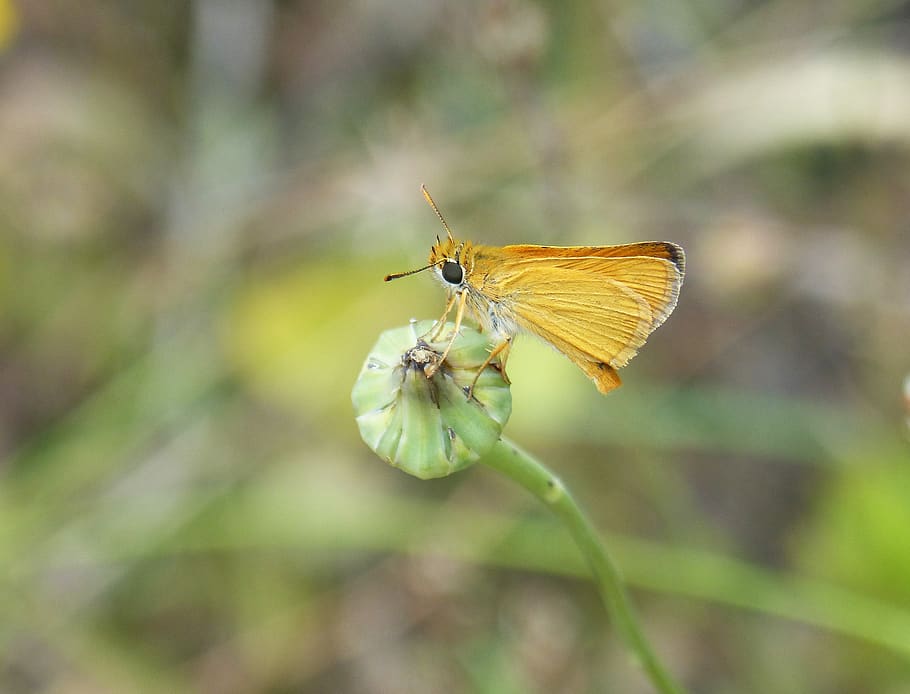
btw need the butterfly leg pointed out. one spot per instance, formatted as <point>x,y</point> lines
<point>441,323</point>
<point>459,314</point>
<point>502,351</point>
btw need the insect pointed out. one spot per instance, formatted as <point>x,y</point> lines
<point>595,304</point>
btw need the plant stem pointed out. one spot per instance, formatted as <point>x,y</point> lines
<point>530,473</point>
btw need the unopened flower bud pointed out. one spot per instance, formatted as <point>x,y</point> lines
<point>429,426</point>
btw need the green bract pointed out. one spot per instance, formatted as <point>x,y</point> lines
<point>427,426</point>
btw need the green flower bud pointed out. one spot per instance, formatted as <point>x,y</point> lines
<point>427,426</point>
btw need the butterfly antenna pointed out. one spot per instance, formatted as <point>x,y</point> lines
<point>426,194</point>
<point>396,275</point>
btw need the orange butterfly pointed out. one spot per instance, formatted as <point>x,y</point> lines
<point>595,304</point>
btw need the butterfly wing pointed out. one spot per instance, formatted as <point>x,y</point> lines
<point>649,249</point>
<point>596,309</point>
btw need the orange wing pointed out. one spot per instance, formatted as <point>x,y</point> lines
<point>596,309</point>
<point>650,249</point>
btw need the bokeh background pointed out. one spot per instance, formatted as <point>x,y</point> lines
<point>198,202</point>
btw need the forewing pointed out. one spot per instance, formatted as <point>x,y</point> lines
<point>593,308</point>
<point>650,249</point>
<point>599,319</point>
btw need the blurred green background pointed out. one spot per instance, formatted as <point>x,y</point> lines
<point>198,202</point>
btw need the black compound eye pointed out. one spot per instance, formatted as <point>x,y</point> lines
<point>452,272</point>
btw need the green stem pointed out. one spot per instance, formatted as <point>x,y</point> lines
<point>530,473</point>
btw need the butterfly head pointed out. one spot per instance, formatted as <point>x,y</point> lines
<point>447,257</point>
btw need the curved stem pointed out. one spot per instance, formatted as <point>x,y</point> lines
<point>530,473</point>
